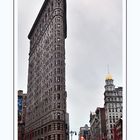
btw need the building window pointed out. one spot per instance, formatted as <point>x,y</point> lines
<point>54,96</point>
<point>58,96</point>
<point>58,79</point>
<point>54,106</point>
<point>58,19</point>
<point>58,87</point>
<point>58,105</point>
<point>58,32</point>
<point>49,137</point>
<point>38,132</point>
<point>45,129</point>
<point>54,126</point>
<point>58,126</point>
<point>41,130</point>
<point>49,127</point>
<point>58,39</point>
<point>57,47</point>
<point>58,116</point>
<point>58,63</point>
<point>110,125</point>
<point>55,71</point>
<point>58,136</point>
<point>55,87</point>
<point>48,11</point>
<point>32,134</point>
<point>35,133</point>
<point>58,70</point>
<point>62,126</point>
<point>58,25</point>
<point>53,137</point>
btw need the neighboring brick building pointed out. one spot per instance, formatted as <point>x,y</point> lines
<point>21,114</point>
<point>118,130</point>
<point>47,117</point>
<point>98,124</point>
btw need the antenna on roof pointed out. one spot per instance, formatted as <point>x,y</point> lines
<point>108,68</point>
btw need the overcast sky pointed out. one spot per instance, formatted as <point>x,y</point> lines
<point>94,40</point>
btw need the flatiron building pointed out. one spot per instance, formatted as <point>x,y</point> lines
<point>46,116</point>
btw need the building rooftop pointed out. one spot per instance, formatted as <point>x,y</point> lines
<point>39,16</point>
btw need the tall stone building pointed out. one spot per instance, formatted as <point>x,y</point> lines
<point>113,105</point>
<point>46,96</point>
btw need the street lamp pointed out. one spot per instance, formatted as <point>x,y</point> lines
<point>72,132</point>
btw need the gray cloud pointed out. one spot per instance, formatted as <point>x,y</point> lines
<point>94,41</point>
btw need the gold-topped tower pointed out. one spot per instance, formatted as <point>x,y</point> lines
<point>109,77</point>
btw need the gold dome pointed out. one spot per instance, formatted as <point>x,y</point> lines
<point>109,77</point>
